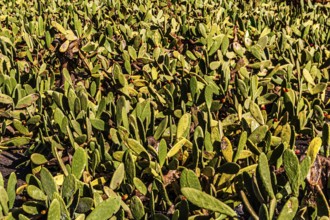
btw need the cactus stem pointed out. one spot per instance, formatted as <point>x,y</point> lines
<point>248,205</point>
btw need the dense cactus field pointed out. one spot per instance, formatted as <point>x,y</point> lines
<point>164,109</point>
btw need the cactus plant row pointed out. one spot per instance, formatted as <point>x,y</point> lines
<point>181,109</point>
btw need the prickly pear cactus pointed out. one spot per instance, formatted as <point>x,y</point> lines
<point>164,109</point>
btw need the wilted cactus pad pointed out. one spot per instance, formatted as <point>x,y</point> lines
<point>164,109</point>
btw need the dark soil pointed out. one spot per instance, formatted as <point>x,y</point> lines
<point>10,162</point>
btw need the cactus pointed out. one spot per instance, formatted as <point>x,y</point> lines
<point>4,201</point>
<point>241,145</point>
<point>292,169</point>
<point>63,209</point>
<point>99,101</point>
<point>161,128</point>
<point>314,148</point>
<point>48,183</point>
<point>54,211</point>
<point>11,189</point>
<point>177,147</point>
<point>79,162</point>
<point>85,204</point>
<point>137,208</point>
<point>304,169</point>
<point>140,186</point>
<point>118,177</point>
<point>286,134</point>
<point>129,166</point>
<point>105,210</point>
<point>326,139</point>
<point>162,152</point>
<point>189,179</point>
<point>263,212</point>
<point>183,126</point>
<point>135,146</point>
<point>204,200</point>
<point>256,113</point>
<point>36,193</point>
<point>227,149</point>
<point>33,207</point>
<point>69,186</point>
<point>289,209</point>
<point>258,134</point>
<point>265,175</point>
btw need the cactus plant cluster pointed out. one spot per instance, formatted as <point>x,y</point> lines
<point>154,109</point>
